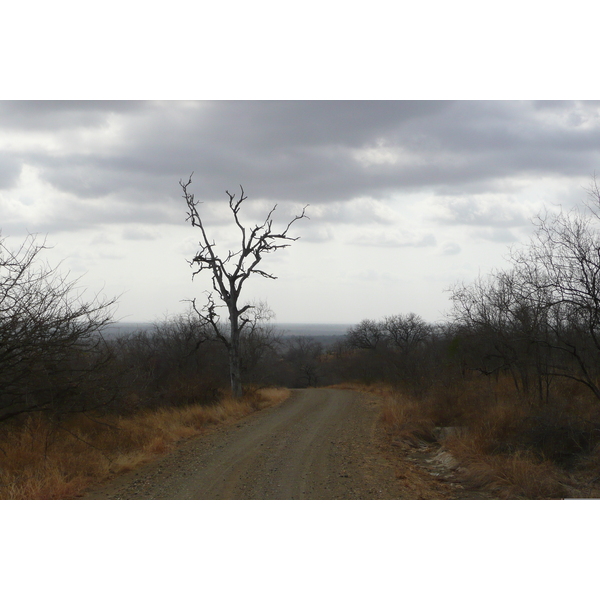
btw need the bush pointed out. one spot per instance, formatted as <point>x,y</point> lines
<point>52,355</point>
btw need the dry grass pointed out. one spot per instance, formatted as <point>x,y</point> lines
<point>408,420</point>
<point>514,475</point>
<point>511,447</point>
<point>378,389</point>
<point>40,459</point>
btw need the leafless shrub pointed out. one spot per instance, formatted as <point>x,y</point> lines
<point>516,476</point>
<point>51,346</point>
<point>303,356</point>
<point>173,364</point>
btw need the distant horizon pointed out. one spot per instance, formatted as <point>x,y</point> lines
<point>123,322</point>
<point>322,331</point>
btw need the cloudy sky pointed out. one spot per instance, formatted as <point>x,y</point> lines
<point>405,197</point>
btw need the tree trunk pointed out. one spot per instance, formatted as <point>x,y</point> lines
<point>235,359</point>
<point>235,370</point>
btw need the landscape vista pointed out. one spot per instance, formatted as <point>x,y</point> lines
<point>300,300</point>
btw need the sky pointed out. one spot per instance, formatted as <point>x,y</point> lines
<point>404,198</point>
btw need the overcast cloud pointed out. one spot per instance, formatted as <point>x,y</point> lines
<point>405,197</point>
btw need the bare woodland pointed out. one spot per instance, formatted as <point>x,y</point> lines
<point>515,367</point>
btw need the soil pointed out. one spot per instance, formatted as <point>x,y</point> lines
<point>324,444</point>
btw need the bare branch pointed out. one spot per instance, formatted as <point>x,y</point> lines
<point>50,336</point>
<point>229,274</point>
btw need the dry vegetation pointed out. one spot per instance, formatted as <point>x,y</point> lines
<point>501,444</point>
<point>509,388</point>
<point>57,459</point>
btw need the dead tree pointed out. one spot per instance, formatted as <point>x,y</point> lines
<point>230,273</point>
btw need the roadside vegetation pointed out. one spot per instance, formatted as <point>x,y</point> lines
<point>500,443</point>
<point>78,406</point>
<point>496,438</point>
<point>45,458</point>
<point>508,386</point>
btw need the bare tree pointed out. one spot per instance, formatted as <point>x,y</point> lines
<point>406,332</point>
<point>174,363</point>
<point>542,317</point>
<point>231,272</point>
<point>50,337</point>
<point>508,330</point>
<point>304,354</point>
<point>367,335</point>
<point>259,344</point>
<point>562,263</point>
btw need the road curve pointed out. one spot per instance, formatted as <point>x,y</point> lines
<point>318,444</point>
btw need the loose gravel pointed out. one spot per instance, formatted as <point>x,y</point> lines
<point>318,444</point>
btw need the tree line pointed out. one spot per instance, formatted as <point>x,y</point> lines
<point>537,321</point>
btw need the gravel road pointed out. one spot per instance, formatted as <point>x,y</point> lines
<point>317,444</point>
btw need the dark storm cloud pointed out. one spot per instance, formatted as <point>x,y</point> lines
<point>278,150</point>
<point>77,214</point>
<point>98,176</point>
<point>47,115</point>
<point>309,152</point>
<point>276,125</point>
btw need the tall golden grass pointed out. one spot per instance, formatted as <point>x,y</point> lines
<point>509,445</point>
<point>44,459</point>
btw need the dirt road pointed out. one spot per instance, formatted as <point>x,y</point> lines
<point>318,444</point>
